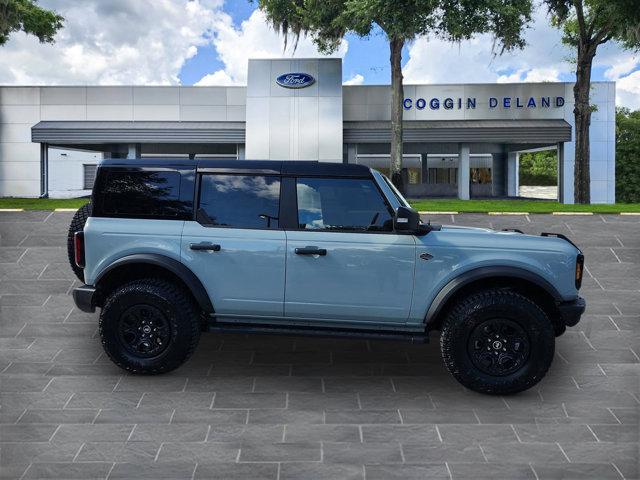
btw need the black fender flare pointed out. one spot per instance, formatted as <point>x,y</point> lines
<point>454,285</point>
<point>189,278</point>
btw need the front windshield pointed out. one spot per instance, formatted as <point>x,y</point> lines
<point>401,199</point>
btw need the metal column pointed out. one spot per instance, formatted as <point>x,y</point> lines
<point>464,152</point>
<point>44,170</point>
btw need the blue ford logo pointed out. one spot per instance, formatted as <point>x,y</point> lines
<point>295,80</point>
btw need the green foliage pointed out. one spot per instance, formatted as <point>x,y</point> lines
<point>539,168</point>
<point>597,21</point>
<point>327,21</point>
<point>27,16</point>
<point>627,155</point>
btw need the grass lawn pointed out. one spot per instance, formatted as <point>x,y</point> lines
<point>530,206</point>
<point>42,203</point>
<point>441,205</point>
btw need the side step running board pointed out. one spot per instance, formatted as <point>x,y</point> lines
<point>247,328</point>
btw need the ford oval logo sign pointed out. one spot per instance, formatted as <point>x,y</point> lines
<point>295,80</point>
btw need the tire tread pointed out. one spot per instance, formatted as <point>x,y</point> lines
<point>454,325</point>
<point>184,304</point>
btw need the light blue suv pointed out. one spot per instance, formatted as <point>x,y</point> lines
<point>169,248</point>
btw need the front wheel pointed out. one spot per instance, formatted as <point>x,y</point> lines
<point>149,326</point>
<point>497,342</point>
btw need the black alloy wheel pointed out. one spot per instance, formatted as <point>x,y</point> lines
<point>144,331</point>
<point>498,346</point>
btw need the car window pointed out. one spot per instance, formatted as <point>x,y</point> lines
<point>141,193</point>
<point>341,204</point>
<point>396,193</point>
<point>241,201</point>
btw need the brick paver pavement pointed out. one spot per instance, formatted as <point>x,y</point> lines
<point>283,407</point>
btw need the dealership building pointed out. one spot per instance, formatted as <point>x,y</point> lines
<point>460,140</point>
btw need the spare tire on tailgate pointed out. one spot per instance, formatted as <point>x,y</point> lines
<point>77,225</point>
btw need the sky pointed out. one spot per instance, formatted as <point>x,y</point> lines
<point>208,42</point>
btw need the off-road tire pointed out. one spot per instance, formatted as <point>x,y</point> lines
<point>479,307</point>
<point>179,309</point>
<point>77,225</point>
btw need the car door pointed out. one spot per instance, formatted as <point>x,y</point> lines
<point>344,262</point>
<point>235,246</point>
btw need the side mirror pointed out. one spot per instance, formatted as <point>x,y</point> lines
<point>407,220</point>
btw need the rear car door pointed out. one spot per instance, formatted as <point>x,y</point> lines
<point>235,245</point>
<point>344,261</point>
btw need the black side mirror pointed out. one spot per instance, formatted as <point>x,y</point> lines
<point>407,220</point>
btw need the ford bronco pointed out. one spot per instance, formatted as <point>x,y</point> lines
<point>170,248</point>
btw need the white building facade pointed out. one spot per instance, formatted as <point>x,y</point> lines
<point>460,140</point>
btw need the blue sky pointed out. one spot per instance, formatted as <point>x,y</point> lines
<point>365,56</point>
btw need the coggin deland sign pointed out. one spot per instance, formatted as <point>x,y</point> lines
<point>302,80</point>
<point>469,103</point>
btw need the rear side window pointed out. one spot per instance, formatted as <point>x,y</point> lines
<point>240,201</point>
<point>140,194</point>
<point>341,204</point>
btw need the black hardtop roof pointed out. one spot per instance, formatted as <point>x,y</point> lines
<point>273,167</point>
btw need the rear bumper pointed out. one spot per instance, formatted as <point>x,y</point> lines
<point>572,311</point>
<point>85,297</point>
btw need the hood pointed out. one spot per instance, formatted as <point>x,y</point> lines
<point>495,239</point>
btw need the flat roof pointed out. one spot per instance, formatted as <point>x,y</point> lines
<point>102,132</point>
<point>267,167</point>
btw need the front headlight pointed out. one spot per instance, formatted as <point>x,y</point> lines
<point>579,270</point>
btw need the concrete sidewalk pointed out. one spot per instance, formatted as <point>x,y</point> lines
<point>282,407</point>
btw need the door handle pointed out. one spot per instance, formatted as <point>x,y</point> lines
<point>311,251</point>
<point>205,246</point>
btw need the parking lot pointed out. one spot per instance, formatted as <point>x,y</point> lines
<point>284,407</point>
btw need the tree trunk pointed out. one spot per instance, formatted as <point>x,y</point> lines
<point>582,114</point>
<point>397,97</point>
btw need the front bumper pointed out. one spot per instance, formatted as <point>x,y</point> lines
<point>85,298</point>
<point>572,311</point>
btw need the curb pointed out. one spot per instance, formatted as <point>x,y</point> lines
<point>507,213</point>
<point>630,213</point>
<point>11,209</point>
<point>65,209</point>
<point>571,213</point>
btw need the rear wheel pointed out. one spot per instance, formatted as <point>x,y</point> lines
<point>149,326</point>
<point>497,342</point>
<point>77,225</point>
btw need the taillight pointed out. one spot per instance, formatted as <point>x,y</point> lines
<point>78,248</point>
<point>579,270</point>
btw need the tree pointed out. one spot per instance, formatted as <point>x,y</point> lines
<point>327,21</point>
<point>627,156</point>
<point>539,168</point>
<point>28,17</point>
<point>587,24</point>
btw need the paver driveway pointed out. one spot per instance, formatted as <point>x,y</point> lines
<point>274,407</point>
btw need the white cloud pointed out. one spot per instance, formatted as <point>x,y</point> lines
<point>622,65</point>
<point>531,75</point>
<point>216,78</point>
<point>628,91</point>
<point>357,79</point>
<point>114,42</point>
<point>432,60</point>
<point>253,39</point>
<point>544,59</point>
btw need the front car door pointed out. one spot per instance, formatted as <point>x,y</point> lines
<point>344,262</point>
<point>236,247</point>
